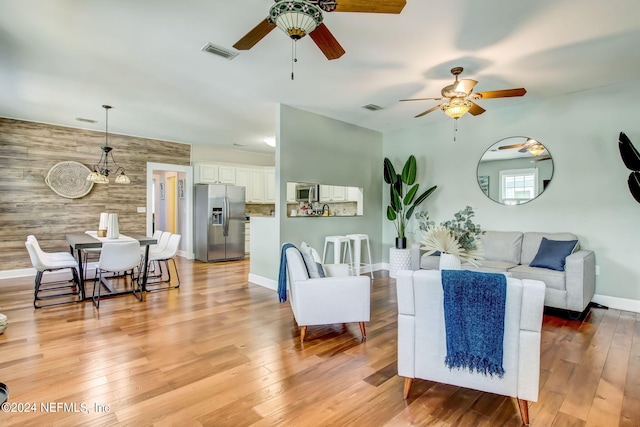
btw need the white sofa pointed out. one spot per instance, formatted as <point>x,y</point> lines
<point>513,251</point>
<point>327,300</point>
<point>422,338</point>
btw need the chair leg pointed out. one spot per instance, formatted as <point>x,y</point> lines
<point>36,288</point>
<point>523,405</point>
<point>407,387</point>
<point>364,331</point>
<point>303,332</point>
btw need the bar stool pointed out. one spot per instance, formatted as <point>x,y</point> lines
<point>337,242</point>
<point>358,239</point>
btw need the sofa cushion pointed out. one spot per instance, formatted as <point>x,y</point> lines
<point>502,246</point>
<point>531,243</point>
<point>312,260</point>
<point>430,262</point>
<point>493,266</point>
<point>552,253</point>
<point>552,279</point>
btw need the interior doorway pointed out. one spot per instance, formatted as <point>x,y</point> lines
<point>170,203</point>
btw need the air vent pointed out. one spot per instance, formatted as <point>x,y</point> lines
<point>80,119</point>
<point>220,51</point>
<point>372,107</point>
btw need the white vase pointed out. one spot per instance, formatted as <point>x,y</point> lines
<point>449,262</point>
<point>113,231</point>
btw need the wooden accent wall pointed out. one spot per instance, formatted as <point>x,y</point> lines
<point>28,206</point>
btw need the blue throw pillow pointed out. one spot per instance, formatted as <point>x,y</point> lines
<point>552,253</point>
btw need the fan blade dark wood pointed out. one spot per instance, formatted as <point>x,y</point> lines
<point>255,35</point>
<point>326,42</point>
<point>507,147</point>
<point>423,99</point>
<point>371,6</point>
<point>475,109</point>
<point>506,93</point>
<point>429,110</point>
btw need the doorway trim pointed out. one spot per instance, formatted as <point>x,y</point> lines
<point>188,194</point>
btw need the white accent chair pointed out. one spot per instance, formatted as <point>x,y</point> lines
<point>116,257</point>
<point>327,300</point>
<point>53,261</point>
<point>422,345</point>
<point>158,258</point>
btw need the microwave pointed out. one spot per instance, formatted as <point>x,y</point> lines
<point>307,193</point>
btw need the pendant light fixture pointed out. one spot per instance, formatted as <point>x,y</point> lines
<point>101,171</point>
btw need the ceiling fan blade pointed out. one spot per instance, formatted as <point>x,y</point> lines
<point>255,35</point>
<point>370,6</point>
<point>507,147</point>
<point>506,93</point>
<point>326,42</point>
<point>475,109</point>
<point>423,99</point>
<point>429,110</point>
<point>465,86</point>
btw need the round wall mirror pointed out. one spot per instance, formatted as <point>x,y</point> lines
<point>515,170</point>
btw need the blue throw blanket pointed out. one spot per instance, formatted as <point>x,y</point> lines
<point>474,320</point>
<point>282,273</point>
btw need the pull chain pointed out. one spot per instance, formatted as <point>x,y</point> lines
<point>455,129</point>
<point>294,55</point>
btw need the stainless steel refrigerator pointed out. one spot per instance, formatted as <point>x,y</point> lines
<point>219,222</point>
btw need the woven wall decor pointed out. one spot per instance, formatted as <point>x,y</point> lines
<point>69,179</point>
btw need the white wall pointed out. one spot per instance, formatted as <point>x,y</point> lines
<point>588,195</point>
<point>201,153</point>
<point>313,148</point>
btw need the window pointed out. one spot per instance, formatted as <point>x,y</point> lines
<point>518,186</point>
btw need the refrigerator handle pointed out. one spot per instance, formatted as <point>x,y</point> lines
<point>226,216</point>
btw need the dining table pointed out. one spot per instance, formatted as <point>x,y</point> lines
<point>89,240</point>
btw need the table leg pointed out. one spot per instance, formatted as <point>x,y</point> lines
<point>143,285</point>
<point>80,272</point>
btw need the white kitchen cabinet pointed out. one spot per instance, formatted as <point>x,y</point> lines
<point>269,185</point>
<point>333,193</point>
<point>256,186</point>
<point>206,173</point>
<point>353,194</point>
<point>242,179</point>
<point>291,192</point>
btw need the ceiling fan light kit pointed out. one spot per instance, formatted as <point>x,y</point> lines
<point>456,108</point>
<point>296,18</point>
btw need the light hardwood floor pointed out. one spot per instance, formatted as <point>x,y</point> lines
<point>223,352</point>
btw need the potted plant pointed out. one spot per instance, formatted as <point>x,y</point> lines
<point>458,238</point>
<point>403,191</point>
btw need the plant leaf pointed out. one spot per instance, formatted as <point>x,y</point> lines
<point>410,212</point>
<point>424,195</point>
<point>409,171</point>
<point>410,195</point>
<point>389,171</point>
<point>628,152</point>
<point>396,202</point>
<point>634,185</point>
<point>391,214</point>
<point>398,185</point>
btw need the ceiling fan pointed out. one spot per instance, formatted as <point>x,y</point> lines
<point>456,95</point>
<point>298,18</point>
<point>530,145</point>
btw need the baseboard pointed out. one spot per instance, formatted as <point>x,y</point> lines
<point>263,281</point>
<point>625,304</point>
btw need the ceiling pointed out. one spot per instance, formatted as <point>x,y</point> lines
<point>63,59</point>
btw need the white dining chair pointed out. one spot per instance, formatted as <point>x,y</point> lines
<point>116,257</point>
<point>57,289</point>
<point>163,257</point>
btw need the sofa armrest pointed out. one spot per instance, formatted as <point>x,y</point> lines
<point>332,300</point>
<point>580,269</point>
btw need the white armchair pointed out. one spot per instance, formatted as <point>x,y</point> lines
<point>422,345</point>
<point>327,300</point>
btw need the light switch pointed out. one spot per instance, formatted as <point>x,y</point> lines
<point>142,209</point>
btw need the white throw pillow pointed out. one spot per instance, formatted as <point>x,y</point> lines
<point>312,260</point>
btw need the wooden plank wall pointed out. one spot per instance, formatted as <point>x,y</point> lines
<point>28,206</point>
